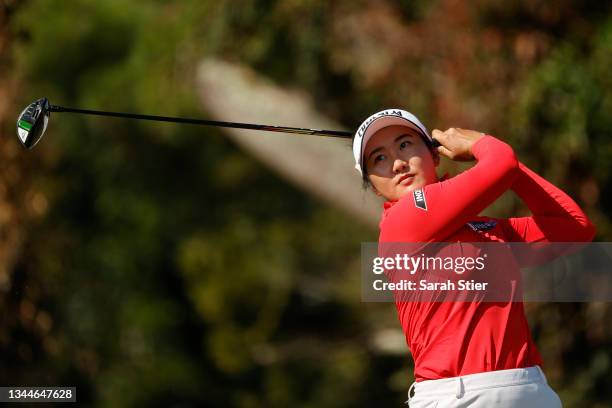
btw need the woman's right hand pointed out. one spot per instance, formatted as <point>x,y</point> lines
<point>456,144</point>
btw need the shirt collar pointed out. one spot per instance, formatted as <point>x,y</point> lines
<point>387,205</point>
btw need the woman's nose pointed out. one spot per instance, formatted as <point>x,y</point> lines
<point>399,166</point>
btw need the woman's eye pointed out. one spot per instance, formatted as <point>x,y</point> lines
<point>404,144</point>
<point>378,158</point>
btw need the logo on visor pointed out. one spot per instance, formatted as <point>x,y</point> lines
<point>419,199</point>
<point>364,126</point>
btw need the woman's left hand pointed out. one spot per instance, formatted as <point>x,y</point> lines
<point>456,144</point>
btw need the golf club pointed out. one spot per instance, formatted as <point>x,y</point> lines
<point>33,121</point>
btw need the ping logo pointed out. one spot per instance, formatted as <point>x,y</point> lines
<point>390,112</point>
<point>419,199</point>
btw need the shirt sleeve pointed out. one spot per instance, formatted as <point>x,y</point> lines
<point>555,216</point>
<point>437,210</point>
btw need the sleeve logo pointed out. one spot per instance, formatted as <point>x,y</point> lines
<point>419,199</point>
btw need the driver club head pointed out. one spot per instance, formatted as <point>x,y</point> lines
<point>32,122</point>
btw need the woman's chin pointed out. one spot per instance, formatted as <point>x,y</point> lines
<point>402,191</point>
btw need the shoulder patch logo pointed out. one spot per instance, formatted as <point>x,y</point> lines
<point>419,199</point>
<point>482,225</point>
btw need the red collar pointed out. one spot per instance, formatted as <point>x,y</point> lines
<point>388,204</point>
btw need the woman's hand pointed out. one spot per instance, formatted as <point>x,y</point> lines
<point>456,144</point>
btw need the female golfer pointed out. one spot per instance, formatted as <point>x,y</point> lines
<point>474,354</point>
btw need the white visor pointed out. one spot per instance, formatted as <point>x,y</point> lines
<point>379,120</point>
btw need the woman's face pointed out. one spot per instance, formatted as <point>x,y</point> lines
<point>398,161</point>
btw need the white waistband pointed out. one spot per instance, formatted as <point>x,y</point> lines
<point>459,385</point>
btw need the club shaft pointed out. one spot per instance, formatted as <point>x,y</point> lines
<point>234,125</point>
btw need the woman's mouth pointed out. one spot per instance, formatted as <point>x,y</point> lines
<point>406,180</point>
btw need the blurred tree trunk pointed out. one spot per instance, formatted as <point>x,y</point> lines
<point>322,166</point>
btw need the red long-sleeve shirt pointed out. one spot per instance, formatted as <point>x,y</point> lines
<point>448,339</point>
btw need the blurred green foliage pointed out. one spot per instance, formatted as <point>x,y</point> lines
<point>170,269</point>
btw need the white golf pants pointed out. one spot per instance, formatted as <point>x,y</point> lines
<point>520,387</point>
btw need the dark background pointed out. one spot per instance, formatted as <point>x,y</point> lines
<point>160,265</point>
